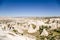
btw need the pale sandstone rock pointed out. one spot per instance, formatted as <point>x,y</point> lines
<point>44,33</point>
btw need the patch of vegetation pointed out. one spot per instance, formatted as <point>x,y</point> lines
<point>57,30</point>
<point>34,26</point>
<point>15,31</point>
<point>53,34</point>
<point>43,27</point>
